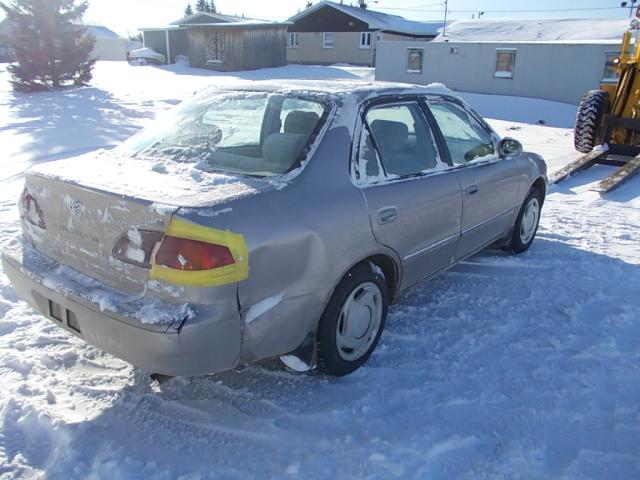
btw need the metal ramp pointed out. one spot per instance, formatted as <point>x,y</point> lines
<point>626,157</point>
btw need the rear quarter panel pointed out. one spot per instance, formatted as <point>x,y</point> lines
<point>302,237</point>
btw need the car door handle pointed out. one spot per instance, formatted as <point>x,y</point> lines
<point>387,215</point>
<point>471,190</point>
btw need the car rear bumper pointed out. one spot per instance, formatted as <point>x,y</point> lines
<point>201,344</point>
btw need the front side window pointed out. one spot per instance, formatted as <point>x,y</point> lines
<point>293,40</point>
<point>365,40</point>
<point>505,63</point>
<point>327,40</point>
<point>215,47</point>
<point>610,74</point>
<point>252,133</point>
<point>466,138</point>
<point>396,142</point>
<point>415,57</point>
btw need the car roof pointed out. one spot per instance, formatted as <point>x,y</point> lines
<point>331,88</point>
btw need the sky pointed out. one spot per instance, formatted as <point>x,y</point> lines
<point>126,16</point>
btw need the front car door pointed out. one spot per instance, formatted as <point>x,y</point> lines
<point>414,200</point>
<point>490,185</point>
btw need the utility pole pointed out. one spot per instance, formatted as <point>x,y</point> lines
<point>444,27</point>
<point>630,4</point>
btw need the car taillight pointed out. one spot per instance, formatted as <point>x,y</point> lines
<point>200,256</point>
<point>136,247</point>
<point>192,255</point>
<point>31,211</point>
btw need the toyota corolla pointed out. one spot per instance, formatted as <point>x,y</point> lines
<point>263,220</point>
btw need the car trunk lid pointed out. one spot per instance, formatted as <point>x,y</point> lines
<point>89,203</point>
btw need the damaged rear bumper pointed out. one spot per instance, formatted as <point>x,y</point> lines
<point>196,342</point>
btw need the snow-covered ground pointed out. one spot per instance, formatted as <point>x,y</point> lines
<point>505,367</point>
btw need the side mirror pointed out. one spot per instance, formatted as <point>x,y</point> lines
<point>510,147</point>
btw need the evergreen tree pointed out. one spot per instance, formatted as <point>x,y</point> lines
<point>212,7</point>
<point>50,45</point>
<point>188,11</point>
<point>202,6</point>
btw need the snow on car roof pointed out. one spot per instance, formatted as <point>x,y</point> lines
<point>333,88</point>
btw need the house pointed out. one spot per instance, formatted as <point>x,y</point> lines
<point>330,32</point>
<point>221,42</point>
<point>549,59</point>
<point>5,32</point>
<point>109,45</point>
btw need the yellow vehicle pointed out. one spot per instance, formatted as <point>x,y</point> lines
<point>607,128</point>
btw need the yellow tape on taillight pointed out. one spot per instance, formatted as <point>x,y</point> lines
<point>235,242</point>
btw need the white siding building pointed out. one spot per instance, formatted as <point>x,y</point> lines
<point>552,60</point>
<point>109,45</point>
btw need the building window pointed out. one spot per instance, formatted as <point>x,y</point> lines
<point>294,42</point>
<point>414,64</point>
<point>215,47</point>
<point>379,37</point>
<point>4,51</point>
<point>505,63</point>
<point>610,74</point>
<point>365,40</point>
<point>327,40</point>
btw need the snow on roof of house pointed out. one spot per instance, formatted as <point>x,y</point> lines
<point>102,32</point>
<point>548,30</point>
<point>376,20</point>
<point>219,17</point>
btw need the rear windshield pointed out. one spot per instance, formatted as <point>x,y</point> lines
<point>242,132</point>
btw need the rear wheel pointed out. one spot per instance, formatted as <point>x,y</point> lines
<point>593,106</point>
<point>353,321</point>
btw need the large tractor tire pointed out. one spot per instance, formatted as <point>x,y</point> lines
<point>593,106</point>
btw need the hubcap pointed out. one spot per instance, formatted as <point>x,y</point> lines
<point>359,321</point>
<point>529,221</point>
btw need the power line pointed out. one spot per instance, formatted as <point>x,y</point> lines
<point>419,9</point>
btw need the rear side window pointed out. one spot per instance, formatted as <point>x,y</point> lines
<point>396,142</point>
<point>466,139</point>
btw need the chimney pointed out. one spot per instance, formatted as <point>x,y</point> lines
<point>362,3</point>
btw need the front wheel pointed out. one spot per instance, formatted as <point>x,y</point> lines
<point>527,222</point>
<point>353,321</point>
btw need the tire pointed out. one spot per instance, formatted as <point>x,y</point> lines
<point>593,106</point>
<point>345,346</point>
<point>526,227</point>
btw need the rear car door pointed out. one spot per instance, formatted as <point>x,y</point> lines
<point>490,185</point>
<point>414,199</point>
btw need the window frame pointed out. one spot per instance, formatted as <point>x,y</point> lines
<point>605,79</point>
<point>505,74</point>
<point>443,156</point>
<point>413,70</point>
<point>325,44</point>
<point>294,40</point>
<point>221,39</point>
<point>364,37</point>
